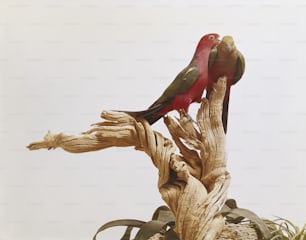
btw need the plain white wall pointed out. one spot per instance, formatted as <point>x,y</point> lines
<point>62,62</point>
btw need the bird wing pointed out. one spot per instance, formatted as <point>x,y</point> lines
<point>240,67</point>
<point>183,81</point>
<point>212,57</point>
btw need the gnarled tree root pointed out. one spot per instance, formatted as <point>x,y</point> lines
<point>193,182</point>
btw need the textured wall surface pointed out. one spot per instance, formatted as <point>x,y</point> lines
<point>62,62</point>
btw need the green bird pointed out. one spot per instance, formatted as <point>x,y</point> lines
<point>225,61</point>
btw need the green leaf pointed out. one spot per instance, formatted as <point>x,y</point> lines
<point>231,203</point>
<point>149,229</point>
<point>286,230</point>
<point>259,223</point>
<point>127,233</point>
<point>164,214</point>
<point>119,223</point>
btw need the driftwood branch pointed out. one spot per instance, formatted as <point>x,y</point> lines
<point>193,183</point>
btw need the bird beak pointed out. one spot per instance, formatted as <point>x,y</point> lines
<point>228,43</point>
<point>229,47</point>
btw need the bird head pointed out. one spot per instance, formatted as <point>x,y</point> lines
<point>227,44</point>
<point>208,41</point>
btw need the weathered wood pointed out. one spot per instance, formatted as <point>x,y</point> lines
<point>193,183</point>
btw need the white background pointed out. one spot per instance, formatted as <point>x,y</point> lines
<point>62,62</point>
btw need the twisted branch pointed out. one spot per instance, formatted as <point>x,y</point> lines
<point>193,183</point>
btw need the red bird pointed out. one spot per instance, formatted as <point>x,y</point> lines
<point>187,87</point>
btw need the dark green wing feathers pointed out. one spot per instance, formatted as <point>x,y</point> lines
<point>239,69</point>
<point>212,57</point>
<point>183,81</point>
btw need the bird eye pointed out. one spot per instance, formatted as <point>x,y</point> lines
<point>211,37</point>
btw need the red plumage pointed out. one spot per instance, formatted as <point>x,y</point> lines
<point>187,87</point>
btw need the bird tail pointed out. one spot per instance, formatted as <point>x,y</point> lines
<point>224,108</point>
<point>225,113</point>
<point>152,114</point>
